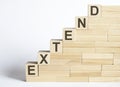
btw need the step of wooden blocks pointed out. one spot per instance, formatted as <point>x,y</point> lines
<point>89,52</point>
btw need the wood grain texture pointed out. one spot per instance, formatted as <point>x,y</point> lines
<point>97,61</point>
<point>111,73</point>
<point>72,79</point>
<point>110,67</point>
<point>110,11</point>
<point>97,56</point>
<point>85,73</point>
<point>83,67</point>
<point>104,20</point>
<point>104,79</point>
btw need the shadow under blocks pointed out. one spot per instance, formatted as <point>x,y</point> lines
<point>90,52</point>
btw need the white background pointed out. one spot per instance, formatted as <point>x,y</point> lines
<point>27,26</point>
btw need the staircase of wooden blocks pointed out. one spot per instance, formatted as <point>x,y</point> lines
<point>90,52</point>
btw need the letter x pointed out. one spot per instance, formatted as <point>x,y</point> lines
<point>43,59</point>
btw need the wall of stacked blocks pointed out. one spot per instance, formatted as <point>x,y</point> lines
<point>90,52</point>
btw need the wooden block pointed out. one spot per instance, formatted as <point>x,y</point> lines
<point>97,56</point>
<point>104,79</point>
<point>114,38</point>
<point>69,34</point>
<point>110,67</point>
<point>111,73</point>
<point>77,51</point>
<point>91,38</point>
<point>83,67</point>
<point>66,56</point>
<point>57,61</point>
<point>41,79</point>
<point>81,22</point>
<point>43,57</point>
<point>107,50</point>
<point>65,59</point>
<point>114,32</point>
<point>101,27</point>
<point>78,44</point>
<point>107,44</point>
<point>54,68</point>
<point>94,10</point>
<point>91,31</point>
<point>85,73</point>
<point>32,69</point>
<point>72,79</point>
<point>103,20</point>
<point>56,46</point>
<point>116,59</point>
<point>97,61</point>
<point>110,11</point>
<point>54,73</point>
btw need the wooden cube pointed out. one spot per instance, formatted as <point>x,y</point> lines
<point>31,69</point>
<point>44,57</point>
<point>94,10</point>
<point>69,34</point>
<point>81,22</point>
<point>56,46</point>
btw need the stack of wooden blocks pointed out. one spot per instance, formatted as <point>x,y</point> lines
<point>90,52</point>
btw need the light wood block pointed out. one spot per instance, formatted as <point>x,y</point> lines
<point>68,34</point>
<point>77,51</point>
<point>83,67</point>
<point>94,10</point>
<point>71,61</point>
<point>65,59</point>
<point>54,73</point>
<point>116,59</point>
<point>97,61</point>
<point>43,57</point>
<point>114,38</point>
<point>107,44</point>
<point>41,79</point>
<point>54,68</point>
<point>110,11</point>
<point>104,79</point>
<point>110,67</point>
<point>78,44</point>
<point>72,79</point>
<point>97,56</point>
<point>104,20</point>
<point>81,22</point>
<point>107,50</point>
<point>91,38</point>
<point>114,32</point>
<point>32,69</point>
<point>56,46</point>
<point>85,73</point>
<point>101,27</point>
<point>111,73</point>
<point>56,79</point>
<point>66,56</point>
<point>91,31</point>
